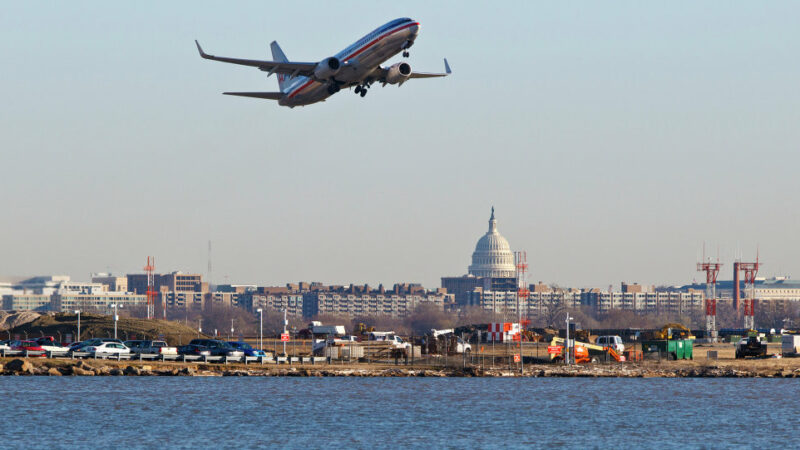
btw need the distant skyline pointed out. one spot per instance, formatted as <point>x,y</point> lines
<point>613,139</point>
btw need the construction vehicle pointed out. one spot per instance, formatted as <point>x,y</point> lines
<point>668,332</point>
<point>586,352</point>
<point>751,346</point>
<point>362,330</point>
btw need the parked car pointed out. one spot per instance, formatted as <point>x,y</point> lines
<point>31,346</point>
<point>247,348</point>
<point>108,348</point>
<point>4,345</point>
<point>615,342</point>
<point>49,344</point>
<point>151,347</point>
<point>81,346</point>
<point>217,347</point>
<point>192,349</point>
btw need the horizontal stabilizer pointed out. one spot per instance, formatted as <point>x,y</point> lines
<point>447,72</point>
<point>266,95</point>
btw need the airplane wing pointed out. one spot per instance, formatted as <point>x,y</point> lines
<point>432,75</point>
<point>265,95</point>
<point>290,68</point>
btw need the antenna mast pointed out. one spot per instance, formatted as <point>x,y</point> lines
<point>712,270</point>
<point>151,292</point>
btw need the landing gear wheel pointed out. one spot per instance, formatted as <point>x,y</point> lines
<point>405,54</point>
<point>363,92</point>
<point>358,89</point>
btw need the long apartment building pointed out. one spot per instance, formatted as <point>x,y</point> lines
<point>311,299</point>
<point>644,300</point>
<point>60,294</point>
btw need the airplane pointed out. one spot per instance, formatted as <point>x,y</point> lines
<point>359,65</point>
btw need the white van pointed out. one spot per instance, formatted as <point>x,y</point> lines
<point>614,342</point>
<point>790,344</point>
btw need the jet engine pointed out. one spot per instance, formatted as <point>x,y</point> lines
<point>327,68</point>
<point>398,73</point>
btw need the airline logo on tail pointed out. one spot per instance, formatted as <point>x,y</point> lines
<point>278,55</point>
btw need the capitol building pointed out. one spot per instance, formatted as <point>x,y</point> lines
<point>492,267</point>
<point>492,256</point>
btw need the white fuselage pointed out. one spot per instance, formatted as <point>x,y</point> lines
<point>359,61</point>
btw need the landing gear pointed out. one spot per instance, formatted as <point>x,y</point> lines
<point>361,89</point>
<point>405,54</point>
<point>333,88</point>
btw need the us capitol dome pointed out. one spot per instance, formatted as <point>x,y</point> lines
<point>492,257</point>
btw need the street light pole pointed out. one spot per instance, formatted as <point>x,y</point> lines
<point>260,329</point>
<point>567,346</point>
<point>78,337</point>
<point>231,336</point>
<point>116,317</point>
<point>285,322</point>
<point>199,327</point>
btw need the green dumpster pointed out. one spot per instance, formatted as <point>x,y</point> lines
<point>671,349</point>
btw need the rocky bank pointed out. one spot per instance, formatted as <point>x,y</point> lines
<point>21,366</point>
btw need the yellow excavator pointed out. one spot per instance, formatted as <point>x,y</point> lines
<point>672,331</point>
<point>361,329</point>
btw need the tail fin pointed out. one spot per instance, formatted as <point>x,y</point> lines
<point>277,55</point>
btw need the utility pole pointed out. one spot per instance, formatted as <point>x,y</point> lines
<point>285,323</point>
<point>78,337</point>
<point>566,345</point>
<point>260,328</point>
<point>116,317</point>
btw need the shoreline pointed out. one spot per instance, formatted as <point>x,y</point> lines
<point>673,369</point>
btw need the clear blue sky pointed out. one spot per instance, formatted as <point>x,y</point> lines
<point>613,138</point>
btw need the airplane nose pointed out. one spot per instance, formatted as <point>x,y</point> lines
<point>414,29</point>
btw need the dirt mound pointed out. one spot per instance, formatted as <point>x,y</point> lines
<point>11,319</point>
<point>97,325</point>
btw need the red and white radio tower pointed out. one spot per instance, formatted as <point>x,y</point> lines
<point>523,293</point>
<point>749,302</point>
<point>712,270</point>
<point>151,292</point>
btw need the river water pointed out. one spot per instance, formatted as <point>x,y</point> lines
<point>186,412</point>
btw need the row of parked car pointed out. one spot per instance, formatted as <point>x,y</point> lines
<point>110,346</point>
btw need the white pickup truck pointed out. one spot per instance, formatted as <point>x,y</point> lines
<point>461,346</point>
<point>389,336</point>
<point>151,347</point>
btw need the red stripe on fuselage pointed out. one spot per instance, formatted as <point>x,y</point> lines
<point>366,46</point>
<point>375,41</point>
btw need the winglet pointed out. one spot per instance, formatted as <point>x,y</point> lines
<point>200,49</point>
<point>446,66</point>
